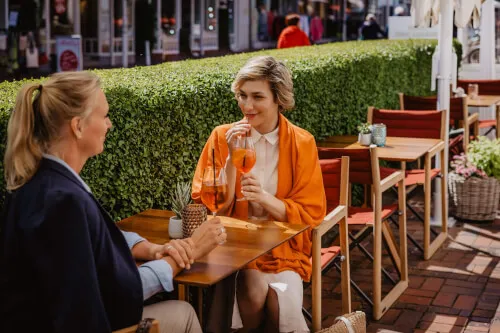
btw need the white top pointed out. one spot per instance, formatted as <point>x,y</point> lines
<point>266,166</point>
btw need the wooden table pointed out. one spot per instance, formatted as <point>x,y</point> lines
<point>484,100</point>
<point>246,241</point>
<point>405,150</point>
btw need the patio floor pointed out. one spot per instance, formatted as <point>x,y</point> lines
<point>458,290</point>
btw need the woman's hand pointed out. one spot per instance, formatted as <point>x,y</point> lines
<point>181,250</point>
<point>208,236</point>
<point>238,129</point>
<point>251,188</point>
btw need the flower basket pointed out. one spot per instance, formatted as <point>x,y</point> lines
<point>474,198</point>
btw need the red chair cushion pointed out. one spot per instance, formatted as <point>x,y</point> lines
<point>327,255</point>
<point>364,216</point>
<point>430,103</point>
<point>412,177</point>
<point>487,123</point>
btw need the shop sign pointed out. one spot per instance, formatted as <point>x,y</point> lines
<point>69,53</point>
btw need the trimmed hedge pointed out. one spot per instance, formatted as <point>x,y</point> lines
<point>163,114</point>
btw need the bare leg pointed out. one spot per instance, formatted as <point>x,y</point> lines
<point>272,312</point>
<point>251,292</point>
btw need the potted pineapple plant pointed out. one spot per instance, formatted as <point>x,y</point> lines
<point>365,134</point>
<point>474,181</point>
<point>180,200</point>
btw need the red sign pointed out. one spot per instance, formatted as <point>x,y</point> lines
<point>68,61</point>
<point>60,6</point>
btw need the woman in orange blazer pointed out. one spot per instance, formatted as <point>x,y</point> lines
<point>284,185</point>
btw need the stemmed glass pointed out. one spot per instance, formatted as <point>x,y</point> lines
<point>214,189</point>
<point>243,155</point>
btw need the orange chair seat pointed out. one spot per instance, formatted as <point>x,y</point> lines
<point>412,177</point>
<point>327,255</point>
<point>487,123</point>
<point>364,216</point>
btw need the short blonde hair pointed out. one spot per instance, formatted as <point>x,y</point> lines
<point>41,111</point>
<point>273,71</point>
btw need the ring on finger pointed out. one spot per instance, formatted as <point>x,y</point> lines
<point>169,247</point>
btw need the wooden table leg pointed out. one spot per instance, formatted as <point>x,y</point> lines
<point>431,247</point>
<point>200,305</point>
<point>183,291</point>
<point>391,243</point>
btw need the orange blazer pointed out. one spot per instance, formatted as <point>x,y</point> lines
<point>300,187</point>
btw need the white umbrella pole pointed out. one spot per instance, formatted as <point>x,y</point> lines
<point>445,61</point>
<point>487,43</point>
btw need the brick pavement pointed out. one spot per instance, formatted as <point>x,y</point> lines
<point>458,290</point>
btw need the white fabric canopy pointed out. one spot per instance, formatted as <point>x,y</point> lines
<point>426,12</point>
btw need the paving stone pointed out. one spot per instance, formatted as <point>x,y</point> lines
<point>444,299</point>
<point>433,284</point>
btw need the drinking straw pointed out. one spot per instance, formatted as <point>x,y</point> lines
<point>215,184</point>
<point>245,156</point>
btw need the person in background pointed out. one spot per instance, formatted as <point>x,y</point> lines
<point>262,23</point>
<point>370,29</point>
<point>66,267</point>
<point>304,19</point>
<point>316,28</point>
<point>292,36</point>
<point>284,185</point>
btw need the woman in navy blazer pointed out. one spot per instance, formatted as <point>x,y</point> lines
<point>65,266</point>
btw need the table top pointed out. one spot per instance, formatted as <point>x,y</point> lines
<point>395,149</point>
<point>246,241</point>
<point>484,100</point>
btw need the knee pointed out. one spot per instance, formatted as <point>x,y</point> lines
<point>252,292</point>
<point>184,308</point>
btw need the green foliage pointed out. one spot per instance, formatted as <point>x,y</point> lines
<point>364,128</point>
<point>485,154</point>
<point>163,114</point>
<point>181,198</point>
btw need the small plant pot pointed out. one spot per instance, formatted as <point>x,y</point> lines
<point>175,227</point>
<point>365,139</point>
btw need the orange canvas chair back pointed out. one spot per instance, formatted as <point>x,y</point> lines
<point>331,170</point>
<point>360,167</point>
<point>486,87</point>
<point>410,124</point>
<point>458,106</point>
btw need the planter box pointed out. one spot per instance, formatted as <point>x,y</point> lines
<point>474,199</point>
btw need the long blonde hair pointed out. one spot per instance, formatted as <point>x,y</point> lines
<point>37,119</point>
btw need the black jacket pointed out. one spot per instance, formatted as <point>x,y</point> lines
<point>64,264</point>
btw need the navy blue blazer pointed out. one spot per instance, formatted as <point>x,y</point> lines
<point>64,264</point>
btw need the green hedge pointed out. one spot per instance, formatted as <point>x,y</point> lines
<point>163,114</point>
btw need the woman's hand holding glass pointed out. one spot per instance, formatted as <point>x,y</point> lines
<point>251,188</point>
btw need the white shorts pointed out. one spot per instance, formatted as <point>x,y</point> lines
<point>288,286</point>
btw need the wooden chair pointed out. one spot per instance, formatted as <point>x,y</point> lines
<point>155,328</point>
<point>372,219</point>
<point>459,112</point>
<point>336,183</point>
<point>419,124</point>
<point>486,87</point>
